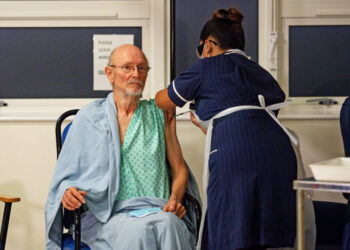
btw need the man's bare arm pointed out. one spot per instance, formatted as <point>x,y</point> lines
<point>178,167</point>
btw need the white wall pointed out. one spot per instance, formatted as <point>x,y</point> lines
<point>27,160</point>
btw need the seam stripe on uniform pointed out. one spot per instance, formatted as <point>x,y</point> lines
<point>183,99</point>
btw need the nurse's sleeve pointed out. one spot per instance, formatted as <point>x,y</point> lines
<point>186,86</point>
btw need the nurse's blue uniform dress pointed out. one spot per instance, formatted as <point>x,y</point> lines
<point>252,164</point>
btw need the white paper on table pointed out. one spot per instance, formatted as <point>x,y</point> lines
<point>103,46</point>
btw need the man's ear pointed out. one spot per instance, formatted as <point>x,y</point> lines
<point>109,74</point>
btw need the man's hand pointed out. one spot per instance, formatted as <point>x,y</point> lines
<point>175,207</point>
<point>73,198</point>
<point>195,122</point>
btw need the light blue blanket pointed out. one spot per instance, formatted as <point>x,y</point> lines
<point>147,228</point>
<point>90,161</point>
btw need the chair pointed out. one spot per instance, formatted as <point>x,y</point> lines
<point>345,131</point>
<point>332,219</point>
<point>345,125</point>
<point>6,218</point>
<point>70,217</point>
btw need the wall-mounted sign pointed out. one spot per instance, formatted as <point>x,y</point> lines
<point>103,46</point>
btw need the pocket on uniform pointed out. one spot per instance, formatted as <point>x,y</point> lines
<point>213,172</point>
<point>212,161</point>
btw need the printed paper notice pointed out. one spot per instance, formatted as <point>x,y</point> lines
<point>103,46</point>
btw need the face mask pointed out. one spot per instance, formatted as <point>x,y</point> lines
<point>199,51</point>
<point>202,52</point>
<point>144,212</point>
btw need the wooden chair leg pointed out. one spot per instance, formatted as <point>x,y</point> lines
<point>5,223</point>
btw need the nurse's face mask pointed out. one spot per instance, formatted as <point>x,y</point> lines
<point>199,51</point>
<point>200,48</point>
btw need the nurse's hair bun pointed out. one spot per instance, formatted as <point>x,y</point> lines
<point>231,14</point>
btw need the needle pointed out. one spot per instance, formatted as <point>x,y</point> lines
<point>183,113</point>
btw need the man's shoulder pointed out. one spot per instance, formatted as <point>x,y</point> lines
<point>93,110</point>
<point>149,104</point>
<point>94,105</point>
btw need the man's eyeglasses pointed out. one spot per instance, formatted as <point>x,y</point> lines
<point>199,49</point>
<point>142,69</point>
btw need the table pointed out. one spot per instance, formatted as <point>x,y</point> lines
<point>311,184</point>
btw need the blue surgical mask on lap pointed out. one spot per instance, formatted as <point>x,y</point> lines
<point>144,212</point>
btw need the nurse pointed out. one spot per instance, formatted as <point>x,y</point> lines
<point>249,156</point>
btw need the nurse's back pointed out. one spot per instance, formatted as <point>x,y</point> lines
<point>231,79</point>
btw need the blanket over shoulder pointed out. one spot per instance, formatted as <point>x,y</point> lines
<point>90,161</point>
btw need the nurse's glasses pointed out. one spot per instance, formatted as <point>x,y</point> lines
<point>199,49</point>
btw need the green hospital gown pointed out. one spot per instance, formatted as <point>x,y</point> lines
<point>143,170</point>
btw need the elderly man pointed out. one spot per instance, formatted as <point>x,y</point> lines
<point>114,163</point>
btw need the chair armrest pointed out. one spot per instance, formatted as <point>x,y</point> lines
<point>198,211</point>
<point>9,199</point>
<point>77,230</point>
<point>196,204</point>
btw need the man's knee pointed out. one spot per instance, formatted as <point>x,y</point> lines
<point>170,222</point>
<point>172,232</point>
<point>168,218</point>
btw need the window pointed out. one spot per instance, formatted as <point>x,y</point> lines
<point>286,29</point>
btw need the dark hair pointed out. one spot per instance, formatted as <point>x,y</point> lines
<point>226,27</point>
